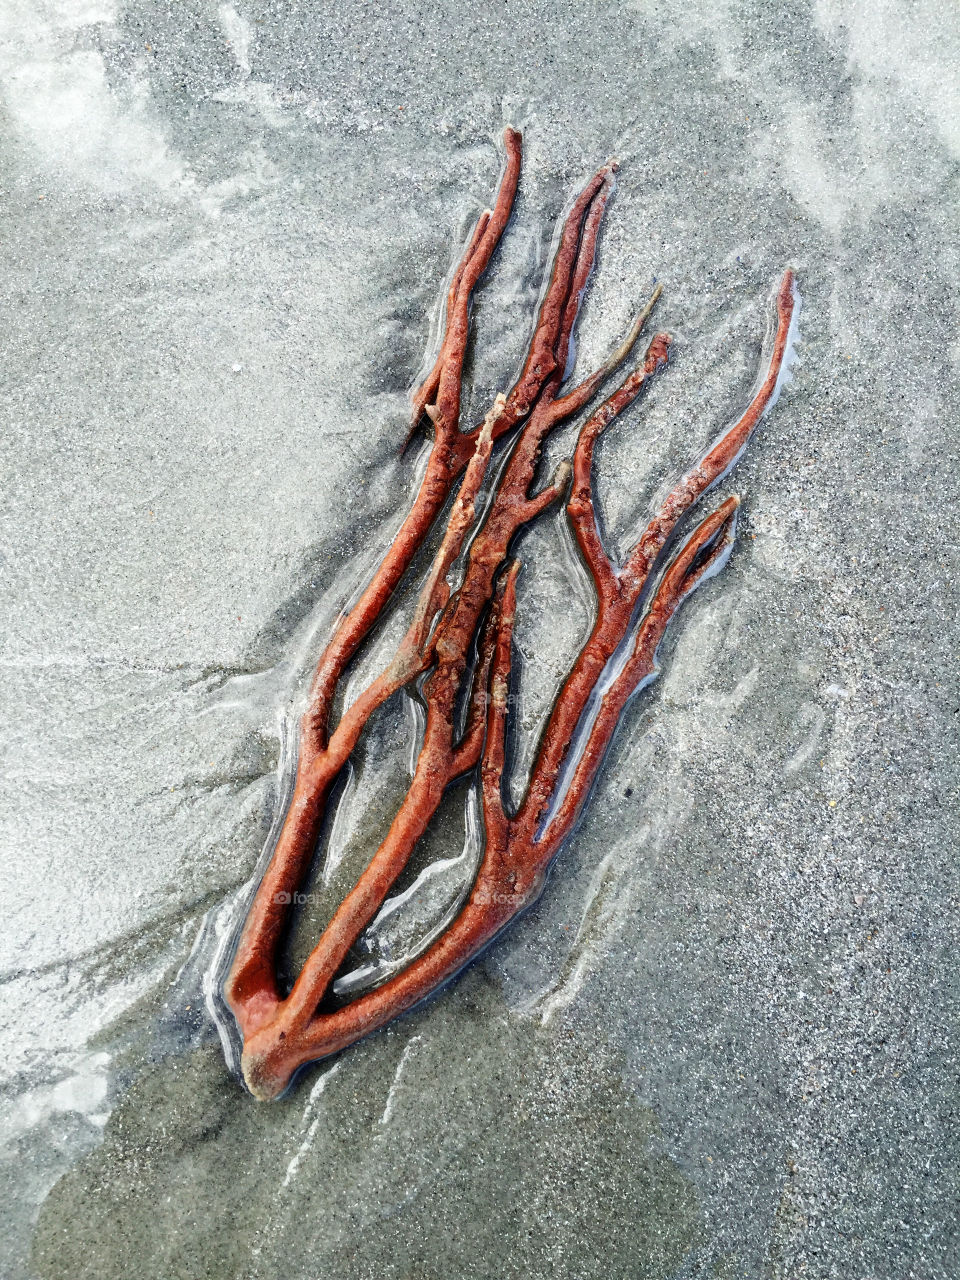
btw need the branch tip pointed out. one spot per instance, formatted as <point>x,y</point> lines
<point>562,476</point>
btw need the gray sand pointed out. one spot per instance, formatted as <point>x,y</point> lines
<point>725,1043</point>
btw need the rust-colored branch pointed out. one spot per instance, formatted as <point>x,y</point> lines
<point>448,456</point>
<point>580,505</point>
<point>701,554</point>
<point>491,766</point>
<point>251,987</point>
<point>468,750</point>
<point>619,594</point>
<point>459,640</point>
<point>580,396</point>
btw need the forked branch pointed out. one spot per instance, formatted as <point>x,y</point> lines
<point>458,647</point>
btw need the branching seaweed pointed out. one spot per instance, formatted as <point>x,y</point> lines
<point>458,648</point>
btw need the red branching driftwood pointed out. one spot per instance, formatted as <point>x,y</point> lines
<point>461,637</point>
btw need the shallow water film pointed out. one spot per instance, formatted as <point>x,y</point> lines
<point>724,1041</point>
